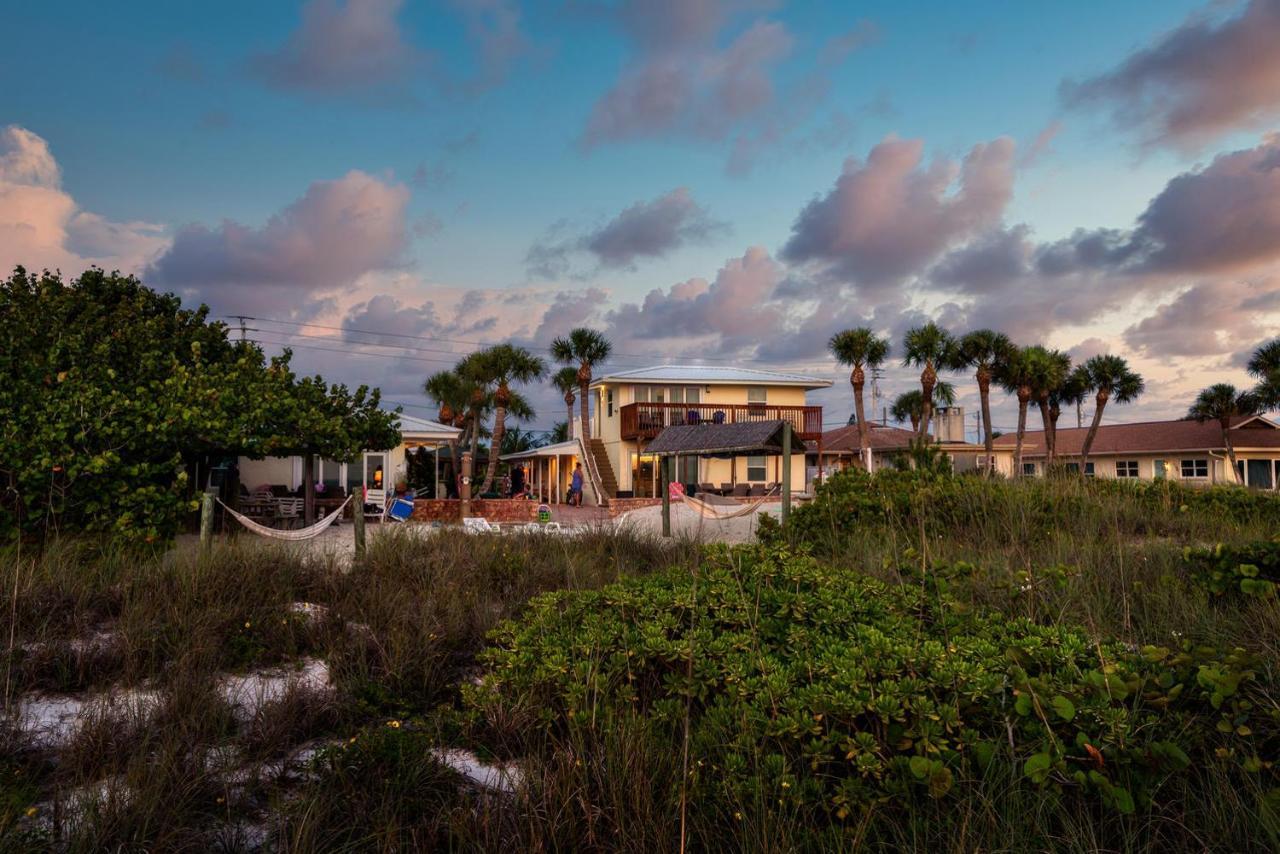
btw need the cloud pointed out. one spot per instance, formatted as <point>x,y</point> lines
<point>341,46</point>
<point>839,48</point>
<point>323,242</point>
<point>493,26</point>
<point>1208,77</point>
<point>1042,145</point>
<point>887,218</point>
<point>42,226</point>
<point>1209,319</point>
<point>643,230</point>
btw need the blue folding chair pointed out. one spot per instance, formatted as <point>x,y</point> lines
<point>400,510</point>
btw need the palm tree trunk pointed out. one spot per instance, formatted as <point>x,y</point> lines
<point>586,411</point>
<point>1048,431</point>
<point>1100,403</point>
<point>568,402</point>
<point>928,378</point>
<point>864,429</point>
<point>495,447</point>
<point>1022,432</point>
<point>988,438</point>
<point>1231,451</point>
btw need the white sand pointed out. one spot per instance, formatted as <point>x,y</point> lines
<point>690,524</point>
<point>248,693</point>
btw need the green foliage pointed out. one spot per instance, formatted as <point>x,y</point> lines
<point>1251,570</point>
<point>829,692</point>
<point>113,392</point>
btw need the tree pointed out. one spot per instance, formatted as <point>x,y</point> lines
<point>908,406</point>
<point>472,375</point>
<point>565,381</point>
<point>1223,403</point>
<point>1109,378</point>
<point>584,348</point>
<point>559,432</point>
<point>860,349</point>
<point>1071,391</point>
<point>985,351</point>
<point>115,396</point>
<point>515,440</point>
<point>1016,376</point>
<point>496,369</point>
<point>1049,369</point>
<point>1264,365</point>
<point>928,347</point>
<point>449,392</point>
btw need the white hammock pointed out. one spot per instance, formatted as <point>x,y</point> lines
<point>721,512</point>
<point>299,534</point>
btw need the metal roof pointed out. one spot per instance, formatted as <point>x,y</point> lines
<point>414,427</point>
<point>710,375</point>
<point>714,440</point>
<point>559,449</point>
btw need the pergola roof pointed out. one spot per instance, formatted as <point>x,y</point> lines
<point>759,438</point>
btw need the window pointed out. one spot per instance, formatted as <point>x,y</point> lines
<point>692,394</point>
<point>756,469</point>
<point>1126,468</point>
<point>1195,468</point>
<point>1074,468</point>
<point>640,393</point>
<point>1028,468</point>
<point>756,394</point>
<point>610,399</point>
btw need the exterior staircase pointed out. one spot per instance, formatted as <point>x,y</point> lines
<point>604,469</point>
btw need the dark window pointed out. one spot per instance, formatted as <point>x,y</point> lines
<point>756,469</point>
<point>1028,468</point>
<point>1195,468</point>
<point>1126,468</point>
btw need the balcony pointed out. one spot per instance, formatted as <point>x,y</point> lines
<point>647,420</point>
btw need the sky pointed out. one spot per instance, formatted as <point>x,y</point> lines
<point>386,184</point>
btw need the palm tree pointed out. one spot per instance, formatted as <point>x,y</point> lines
<point>985,351</point>
<point>1264,365</point>
<point>1109,377</point>
<point>473,375</point>
<point>560,431</point>
<point>1222,403</point>
<point>1049,371</point>
<point>1072,391</point>
<point>515,440</point>
<point>584,348</point>
<point>928,347</point>
<point>860,349</point>
<point>447,389</point>
<point>565,381</point>
<point>1017,376</point>
<point>497,368</point>
<point>908,406</point>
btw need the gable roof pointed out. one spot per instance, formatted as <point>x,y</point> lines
<point>746,437</point>
<point>710,375</point>
<point>1151,437</point>
<point>412,427</point>
<point>883,438</point>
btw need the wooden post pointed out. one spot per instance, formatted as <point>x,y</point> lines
<point>206,521</point>
<point>357,524</point>
<point>309,490</point>
<point>465,490</point>
<point>665,462</point>
<point>786,470</point>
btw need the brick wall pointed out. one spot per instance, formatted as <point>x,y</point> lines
<point>493,509</point>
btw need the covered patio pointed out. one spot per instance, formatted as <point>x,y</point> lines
<point>550,468</point>
<point>761,438</point>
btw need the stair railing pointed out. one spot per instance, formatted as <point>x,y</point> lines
<point>593,473</point>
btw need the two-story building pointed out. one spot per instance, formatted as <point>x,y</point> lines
<point>633,407</point>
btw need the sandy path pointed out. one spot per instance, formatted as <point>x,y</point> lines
<point>690,524</point>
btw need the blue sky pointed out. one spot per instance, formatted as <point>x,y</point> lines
<point>473,119</point>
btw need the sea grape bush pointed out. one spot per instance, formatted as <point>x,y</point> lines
<point>827,691</point>
<point>943,504</point>
<point>1250,570</point>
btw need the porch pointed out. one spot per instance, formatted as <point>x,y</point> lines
<point>643,421</point>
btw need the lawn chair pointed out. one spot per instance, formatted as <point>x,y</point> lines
<point>725,489</point>
<point>756,490</point>
<point>479,525</point>
<point>707,488</point>
<point>401,509</point>
<point>741,490</point>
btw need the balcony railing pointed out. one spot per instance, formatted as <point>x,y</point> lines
<point>647,420</point>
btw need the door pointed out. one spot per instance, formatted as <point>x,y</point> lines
<point>1161,469</point>
<point>375,473</point>
<point>1259,473</point>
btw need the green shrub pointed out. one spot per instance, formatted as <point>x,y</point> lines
<point>830,693</point>
<point>1250,570</point>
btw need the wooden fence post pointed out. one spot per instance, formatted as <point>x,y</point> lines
<point>665,462</point>
<point>786,470</point>
<point>206,521</point>
<point>357,525</point>
<point>465,492</point>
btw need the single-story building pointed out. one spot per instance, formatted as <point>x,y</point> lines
<point>548,469</point>
<point>1184,450</point>
<point>377,471</point>
<point>842,448</point>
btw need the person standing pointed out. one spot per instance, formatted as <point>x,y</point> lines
<point>575,486</point>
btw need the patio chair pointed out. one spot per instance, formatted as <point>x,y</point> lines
<point>692,417</point>
<point>479,525</point>
<point>707,488</point>
<point>756,490</point>
<point>725,489</point>
<point>741,490</point>
<point>718,417</point>
<point>400,510</point>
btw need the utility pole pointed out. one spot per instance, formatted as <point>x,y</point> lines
<point>243,328</point>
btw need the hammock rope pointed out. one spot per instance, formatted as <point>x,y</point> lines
<point>709,511</point>
<point>295,535</point>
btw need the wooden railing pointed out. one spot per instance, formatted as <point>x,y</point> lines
<point>647,420</point>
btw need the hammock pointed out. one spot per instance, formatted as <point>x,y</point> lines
<point>724,509</point>
<point>277,534</point>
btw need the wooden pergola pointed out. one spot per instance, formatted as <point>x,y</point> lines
<point>758,438</point>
